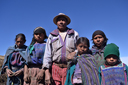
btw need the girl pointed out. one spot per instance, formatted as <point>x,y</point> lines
<point>82,68</point>
<point>99,40</point>
<point>33,72</point>
<point>113,72</point>
<point>14,61</point>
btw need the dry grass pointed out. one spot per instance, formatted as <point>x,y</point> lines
<point>3,77</point>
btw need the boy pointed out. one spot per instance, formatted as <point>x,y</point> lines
<point>113,72</point>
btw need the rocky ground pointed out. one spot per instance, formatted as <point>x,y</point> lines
<point>3,77</point>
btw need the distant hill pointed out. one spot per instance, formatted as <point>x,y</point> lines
<point>3,77</point>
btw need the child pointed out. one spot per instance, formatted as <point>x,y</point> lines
<point>99,40</point>
<point>33,72</point>
<point>14,61</point>
<point>82,68</point>
<point>113,72</point>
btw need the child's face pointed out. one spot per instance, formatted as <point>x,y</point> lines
<point>39,37</point>
<point>19,42</point>
<point>82,48</point>
<point>98,40</point>
<point>111,59</point>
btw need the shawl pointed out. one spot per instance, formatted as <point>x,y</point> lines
<point>98,54</point>
<point>9,51</point>
<point>88,69</point>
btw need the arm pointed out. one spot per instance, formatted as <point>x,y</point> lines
<point>26,74</point>
<point>47,61</point>
<point>99,74</point>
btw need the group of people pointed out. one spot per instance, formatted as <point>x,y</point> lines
<point>64,59</point>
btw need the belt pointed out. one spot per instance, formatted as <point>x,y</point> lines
<point>60,65</point>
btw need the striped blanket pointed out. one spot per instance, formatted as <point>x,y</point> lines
<point>89,70</point>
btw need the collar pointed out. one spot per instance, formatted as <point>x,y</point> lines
<point>56,31</point>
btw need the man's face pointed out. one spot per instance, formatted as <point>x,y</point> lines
<point>62,23</point>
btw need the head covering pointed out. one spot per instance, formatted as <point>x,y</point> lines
<point>61,15</point>
<point>111,49</point>
<point>98,32</point>
<point>40,30</point>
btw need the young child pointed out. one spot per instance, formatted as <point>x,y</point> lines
<point>33,72</point>
<point>82,68</point>
<point>113,72</point>
<point>14,61</point>
<point>100,41</point>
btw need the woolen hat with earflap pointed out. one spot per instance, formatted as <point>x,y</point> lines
<point>61,15</point>
<point>111,49</point>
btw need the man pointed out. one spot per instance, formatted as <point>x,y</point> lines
<point>60,43</point>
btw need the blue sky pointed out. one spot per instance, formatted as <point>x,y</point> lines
<point>87,16</point>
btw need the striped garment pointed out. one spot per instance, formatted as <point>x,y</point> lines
<point>89,70</point>
<point>114,75</point>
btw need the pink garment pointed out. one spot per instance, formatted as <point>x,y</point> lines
<point>32,73</point>
<point>59,75</point>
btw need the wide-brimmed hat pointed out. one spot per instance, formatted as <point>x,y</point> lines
<point>61,15</point>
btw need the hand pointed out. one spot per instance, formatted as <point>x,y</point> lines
<point>19,72</point>
<point>9,72</point>
<point>40,75</point>
<point>48,77</point>
<point>26,78</point>
<point>70,56</point>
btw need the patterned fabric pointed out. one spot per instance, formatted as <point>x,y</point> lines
<point>36,57</point>
<point>114,75</point>
<point>58,75</point>
<point>89,70</point>
<point>98,54</point>
<point>16,59</point>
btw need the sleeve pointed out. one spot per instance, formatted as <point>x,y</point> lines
<point>76,36</point>
<point>47,61</point>
<point>126,69</point>
<point>99,74</point>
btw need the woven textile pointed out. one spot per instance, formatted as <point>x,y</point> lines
<point>89,71</point>
<point>114,75</point>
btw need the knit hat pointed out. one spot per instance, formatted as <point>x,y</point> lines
<point>61,15</point>
<point>40,30</point>
<point>111,49</point>
<point>98,32</point>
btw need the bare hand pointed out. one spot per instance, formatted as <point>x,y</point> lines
<point>18,73</point>
<point>9,72</point>
<point>48,77</point>
<point>27,78</point>
<point>40,75</point>
<point>70,56</point>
